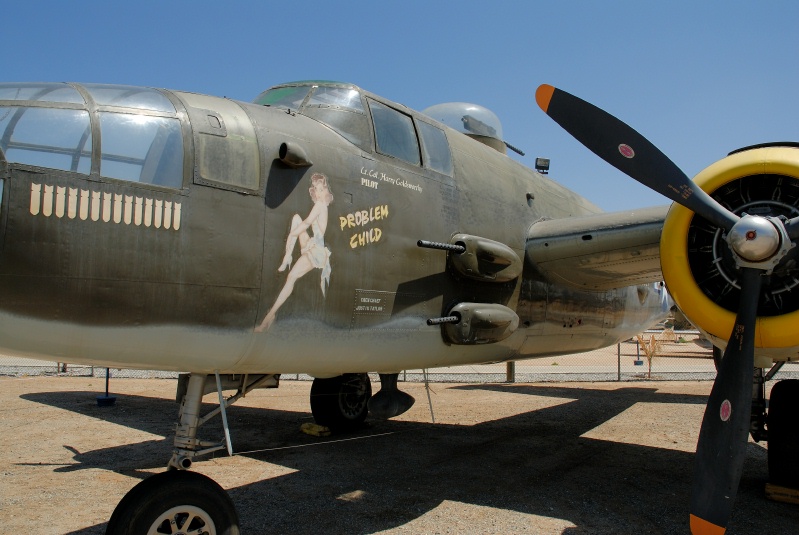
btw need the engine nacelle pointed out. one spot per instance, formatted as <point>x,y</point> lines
<point>699,268</point>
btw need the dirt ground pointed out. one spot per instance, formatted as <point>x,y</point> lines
<point>548,458</point>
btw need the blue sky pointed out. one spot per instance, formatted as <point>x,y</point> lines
<point>697,78</point>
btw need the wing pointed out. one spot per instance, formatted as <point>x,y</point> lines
<point>599,252</point>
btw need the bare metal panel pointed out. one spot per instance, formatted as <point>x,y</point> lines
<point>599,252</point>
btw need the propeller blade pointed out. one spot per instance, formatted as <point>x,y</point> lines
<point>629,152</point>
<point>721,449</point>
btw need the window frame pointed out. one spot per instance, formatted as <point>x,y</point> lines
<point>94,109</point>
<point>425,154</point>
<point>371,102</point>
<point>79,154</point>
<point>114,123</point>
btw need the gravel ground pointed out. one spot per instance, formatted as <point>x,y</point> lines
<point>552,458</point>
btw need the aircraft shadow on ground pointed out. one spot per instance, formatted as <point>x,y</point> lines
<point>535,463</point>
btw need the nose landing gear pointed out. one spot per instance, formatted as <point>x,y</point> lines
<point>175,501</point>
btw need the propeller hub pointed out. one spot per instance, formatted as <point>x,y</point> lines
<point>754,238</point>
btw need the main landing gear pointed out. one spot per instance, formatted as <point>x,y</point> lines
<point>783,434</point>
<point>341,403</point>
<point>775,422</point>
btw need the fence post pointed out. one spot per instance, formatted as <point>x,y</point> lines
<point>510,372</point>
<point>618,361</point>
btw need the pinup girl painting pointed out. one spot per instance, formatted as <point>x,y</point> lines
<point>313,253</point>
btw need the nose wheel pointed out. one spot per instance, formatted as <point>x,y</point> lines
<point>175,501</point>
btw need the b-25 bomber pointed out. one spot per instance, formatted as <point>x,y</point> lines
<point>325,230</point>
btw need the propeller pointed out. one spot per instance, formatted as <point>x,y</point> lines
<point>629,152</point>
<point>721,449</point>
<point>758,244</point>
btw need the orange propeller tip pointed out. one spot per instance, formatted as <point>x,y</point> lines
<point>700,526</point>
<point>543,95</point>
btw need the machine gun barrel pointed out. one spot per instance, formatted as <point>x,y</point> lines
<point>445,319</point>
<point>441,246</point>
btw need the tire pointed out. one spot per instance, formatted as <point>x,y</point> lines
<point>341,403</point>
<point>191,500</point>
<point>783,434</point>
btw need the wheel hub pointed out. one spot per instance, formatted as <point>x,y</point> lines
<point>186,519</point>
<point>353,397</point>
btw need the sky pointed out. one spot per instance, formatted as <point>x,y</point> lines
<point>697,78</point>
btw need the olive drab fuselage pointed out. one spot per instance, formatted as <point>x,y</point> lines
<point>148,228</point>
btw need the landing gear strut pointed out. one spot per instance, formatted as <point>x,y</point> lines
<point>177,501</point>
<point>757,421</point>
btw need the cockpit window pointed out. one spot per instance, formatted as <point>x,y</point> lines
<point>41,92</point>
<point>395,134</point>
<point>140,98</point>
<point>284,97</point>
<point>341,109</point>
<point>47,137</point>
<point>435,148</point>
<point>51,125</point>
<point>142,148</point>
<point>337,97</point>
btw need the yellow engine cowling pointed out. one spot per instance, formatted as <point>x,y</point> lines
<point>698,268</point>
